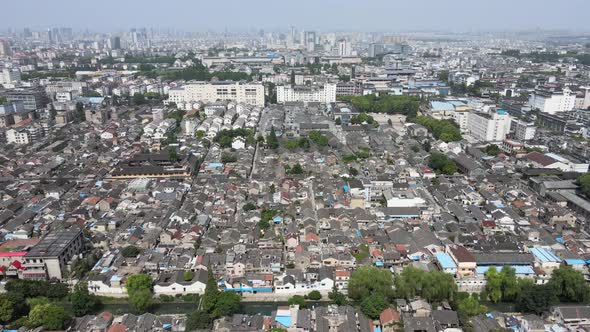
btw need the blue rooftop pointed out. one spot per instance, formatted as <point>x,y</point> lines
<point>441,106</point>
<point>575,261</point>
<point>545,255</point>
<point>284,320</point>
<point>518,269</point>
<point>445,261</point>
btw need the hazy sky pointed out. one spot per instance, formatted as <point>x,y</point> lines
<point>348,15</point>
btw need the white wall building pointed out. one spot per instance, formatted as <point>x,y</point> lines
<point>523,131</point>
<point>322,94</point>
<point>9,76</point>
<point>460,118</point>
<point>210,92</point>
<point>553,101</point>
<point>492,127</point>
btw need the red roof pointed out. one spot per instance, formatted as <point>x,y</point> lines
<point>540,158</point>
<point>488,223</point>
<point>388,316</point>
<point>117,328</point>
<point>13,254</point>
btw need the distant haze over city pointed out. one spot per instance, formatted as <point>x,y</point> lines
<point>334,15</point>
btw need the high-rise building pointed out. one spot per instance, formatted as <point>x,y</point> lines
<point>310,40</point>
<point>522,130</point>
<point>489,127</point>
<point>344,48</point>
<point>114,43</point>
<point>5,48</point>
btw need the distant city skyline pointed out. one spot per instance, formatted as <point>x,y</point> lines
<point>323,15</point>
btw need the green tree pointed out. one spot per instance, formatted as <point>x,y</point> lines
<point>372,306</point>
<point>536,298</point>
<point>50,316</point>
<point>6,309</point>
<point>314,295</point>
<point>569,285</point>
<point>296,169</point>
<point>139,99</point>
<point>337,297</point>
<point>83,302</point>
<point>140,300</point>
<point>138,282</point>
<point>338,121</point>
<point>198,320</point>
<point>493,284</point>
<point>435,286</point>
<point>492,150</point>
<point>271,139</point>
<point>211,293</point>
<point>130,251</point>
<point>470,306</point>
<point>249,206</point>
<point>367,281</point>
<point>319,139</point>
<point>227,304</point>
<point>188,275</point>
<point>441,163</point>
<point>298,300</point>
<point>444,130</point>
<point>584,183</point>
<point>510,287</point>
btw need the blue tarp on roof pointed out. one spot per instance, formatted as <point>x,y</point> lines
<point>560,240</point>
<point>379,263</point>
<point>377,329</point>
<point>345,188</point>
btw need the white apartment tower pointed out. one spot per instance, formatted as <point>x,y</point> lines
<point>492,127</point>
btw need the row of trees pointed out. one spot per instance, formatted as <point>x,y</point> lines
<point>566,285</point>
<point>197,72</point>
<point>375,289</point>
<point>33,304</point>
<point>444,130</point>
<point>406,105</point>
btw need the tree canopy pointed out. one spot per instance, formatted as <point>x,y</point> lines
<point>445,130</point>
<point>441,163</point>
<point>406,105</point>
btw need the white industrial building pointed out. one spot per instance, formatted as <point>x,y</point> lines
<point>318,93</point>
<point>209,92</point>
